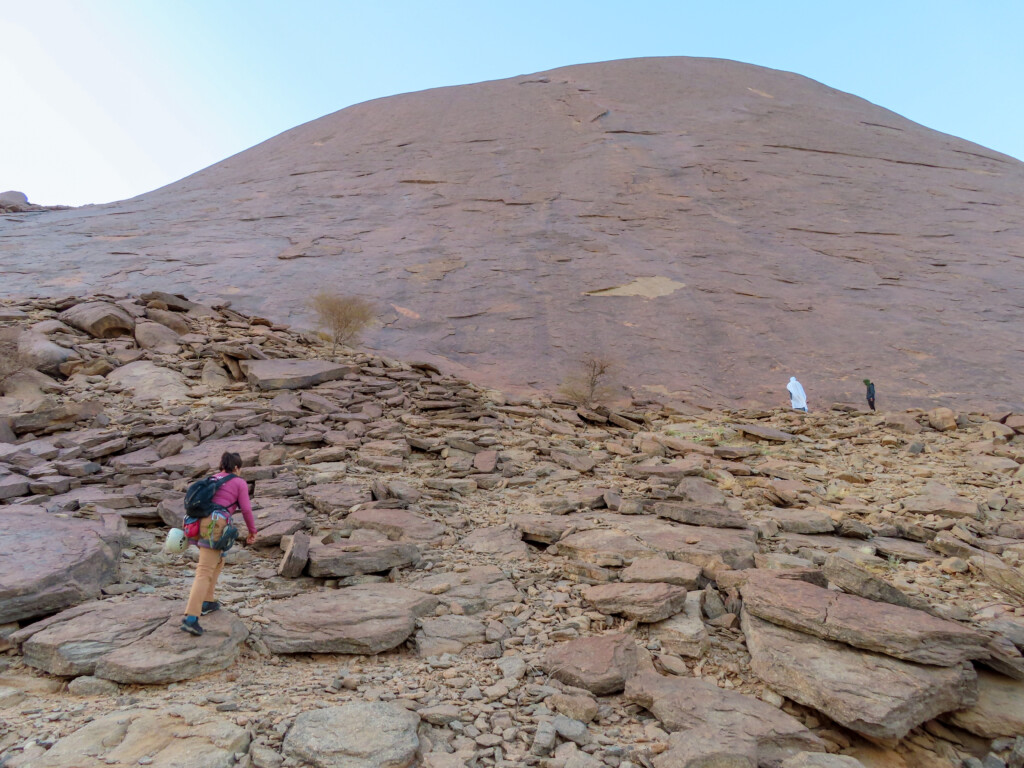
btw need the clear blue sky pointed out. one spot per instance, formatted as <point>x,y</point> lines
<point>105,99</point>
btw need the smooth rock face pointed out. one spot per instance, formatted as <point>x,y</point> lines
<point>358,735</point>
<point>292,374</point>
<point>745,128</point>
<point>893,630</point>
<point>600,664</point>
<point>175,737</point>
<point>875,695</point>
<point>48,563</point>
<point>363,619</point>
<point>647,602</point>
<point>999,710</point>
<point>135,641</point>
<point>709,722</point>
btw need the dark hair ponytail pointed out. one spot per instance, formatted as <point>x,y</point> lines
<point>230,462</point>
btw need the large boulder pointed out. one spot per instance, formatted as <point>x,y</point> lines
<point>642,601</point>
<point>172,737</point>
<point>875,695</point>
<point>600,664</point>
<point>708,723</point>
<point>357,735</point>
<point>296,373</point>
<point>345,558</point>
<point>100,319</point>
<point>48,563</point>
<point>150,383</point>
<point>134,641</point>
<point>901,632</point>
<point>37,351</point>
<point>364,619</point>
<point>156,337</point>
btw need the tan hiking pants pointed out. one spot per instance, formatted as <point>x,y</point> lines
<point>211,562</point>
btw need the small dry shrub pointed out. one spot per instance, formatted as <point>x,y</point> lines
<point>342,318</point>
<point>590,382</point>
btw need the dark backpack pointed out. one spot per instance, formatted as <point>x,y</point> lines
<point>199,496</point>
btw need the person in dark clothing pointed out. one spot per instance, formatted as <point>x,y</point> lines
<point>871,393</point>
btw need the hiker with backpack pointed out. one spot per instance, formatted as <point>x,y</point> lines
<point>208,507</point>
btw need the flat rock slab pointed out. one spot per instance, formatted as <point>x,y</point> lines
<point>134,641</point>
<point>48,563</point>
<point>275,518</point>
<point>357,735</point>
<point>661,569</point>
<point>901,632</point>
<point>938,499</point>
<point>603,546</point>
<point>999,711</point>
<point>808,520</point>
<point>707,721</point>
<point>600,664</point>
<point>699,514</point>
<point>337,497</point>
<point>172,737</point>
<point>397,525</point>
<point>205,457</point>
<point>350,559</point>
<point>150,383</point>
<point>646,602</point>
<point>499,540</point>
<point>699,545</point>
<point>292,374</point>
<point>448,634</point>
<point>841,569</point>
<point>365,619</point>
<point>473,590</point>
<point>911,551</point>
<point>758,432</point>
<point>684,634</point>
<point>875,695</point>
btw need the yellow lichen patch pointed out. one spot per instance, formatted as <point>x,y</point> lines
<point>648,287</point>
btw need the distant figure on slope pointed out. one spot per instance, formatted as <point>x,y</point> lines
<point>797,394</point>
<point>871,393</point>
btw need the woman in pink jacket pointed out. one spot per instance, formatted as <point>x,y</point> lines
<point>233,495</point>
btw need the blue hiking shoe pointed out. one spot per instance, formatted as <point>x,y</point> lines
<point>190,624</point>
<point>210,607</point>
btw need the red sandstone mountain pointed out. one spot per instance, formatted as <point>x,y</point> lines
<point>771,226</point>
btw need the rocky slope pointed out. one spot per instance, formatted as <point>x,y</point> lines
<point>715,226</point>
<point>449,576</point>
